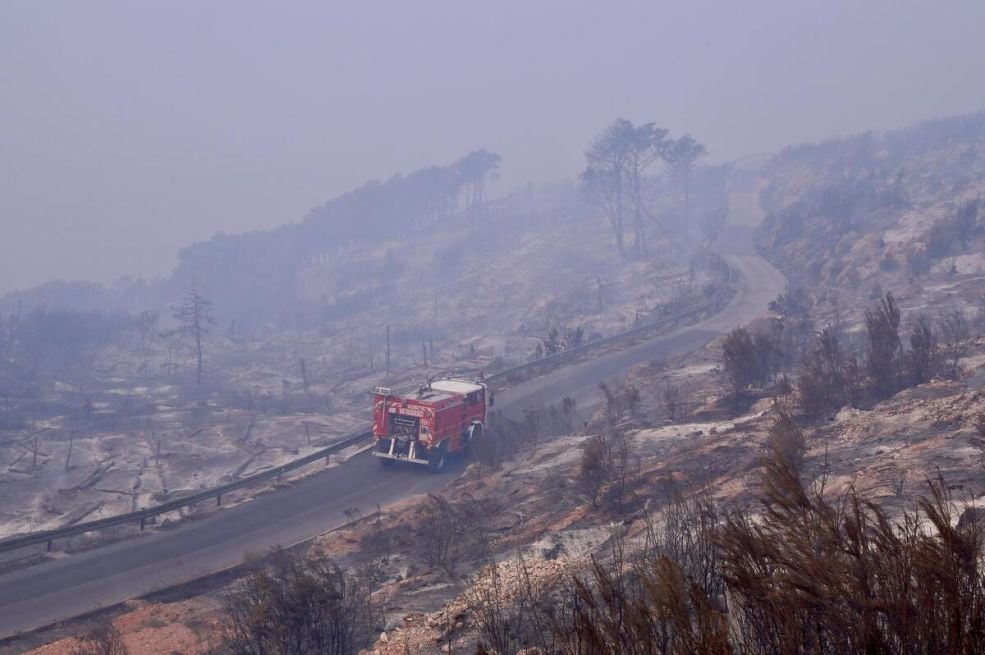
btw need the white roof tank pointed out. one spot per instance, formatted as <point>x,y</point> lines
<point>456,386</point>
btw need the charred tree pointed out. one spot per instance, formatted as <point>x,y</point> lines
<point>195,319</point>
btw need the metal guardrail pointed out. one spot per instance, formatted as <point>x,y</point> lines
<point>49,536</point>
<point>141,516</point>
<point>574,353</point>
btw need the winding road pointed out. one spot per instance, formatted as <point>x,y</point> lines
<point>71,585</point>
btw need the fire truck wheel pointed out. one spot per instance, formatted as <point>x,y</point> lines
<point>474,435</point>
<point>436,460</point>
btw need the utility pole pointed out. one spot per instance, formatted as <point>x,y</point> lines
<point>424,347</point>
<point>388,351</point>
<point>304,375</point>
<point>68,457</point>
<point>599,280</point>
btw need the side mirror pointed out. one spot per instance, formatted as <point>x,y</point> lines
<point>492,398</point>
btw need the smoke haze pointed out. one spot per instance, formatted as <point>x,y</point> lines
<point>128,130</point>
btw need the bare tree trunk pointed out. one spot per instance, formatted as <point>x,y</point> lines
<point>198,351</point>
<point>639,234</point>
<point>687,196</point>
<point>619,219</point>
<point>68,457</point>
<point>304,375</point>
<point>249,427</point>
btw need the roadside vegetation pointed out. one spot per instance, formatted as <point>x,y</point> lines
<point>800,571</point>
<point>824,369</point>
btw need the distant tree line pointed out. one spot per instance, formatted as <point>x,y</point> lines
<point>124,294</point>
<point>59,339</point>
<point>256,274</point>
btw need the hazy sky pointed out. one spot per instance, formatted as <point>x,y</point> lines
<point>130,129</point>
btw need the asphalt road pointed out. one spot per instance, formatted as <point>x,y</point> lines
<point>71,585</point>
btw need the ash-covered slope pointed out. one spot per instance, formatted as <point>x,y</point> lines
<point>896,211</point>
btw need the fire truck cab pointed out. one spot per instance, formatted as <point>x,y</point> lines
<point>430,423</point>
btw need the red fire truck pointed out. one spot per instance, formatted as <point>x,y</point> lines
<point>427,425</point>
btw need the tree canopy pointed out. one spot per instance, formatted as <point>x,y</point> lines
<point>615,176</point>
